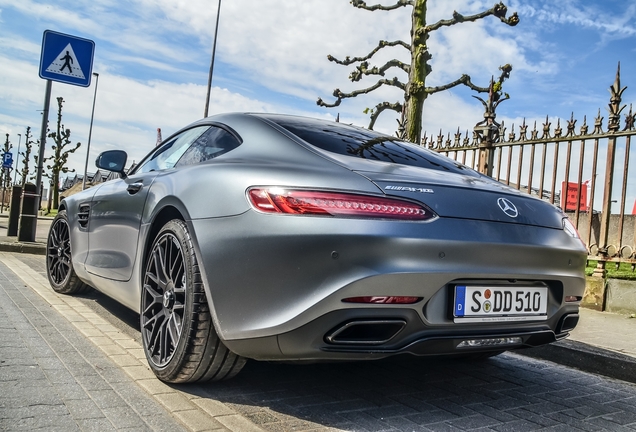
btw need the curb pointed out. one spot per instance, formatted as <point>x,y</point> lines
<point>587,358</point>
<point>20,247</point>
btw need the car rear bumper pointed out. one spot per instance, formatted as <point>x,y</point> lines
<point>277,291</point>
<point>312,342</point>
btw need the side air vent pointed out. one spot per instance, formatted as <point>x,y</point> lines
<point>82,215</point>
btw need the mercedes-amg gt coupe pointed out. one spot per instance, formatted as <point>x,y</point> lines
<point>274,237</point>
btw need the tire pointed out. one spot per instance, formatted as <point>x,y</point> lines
<point>177,332</point>
<point>59,265</point>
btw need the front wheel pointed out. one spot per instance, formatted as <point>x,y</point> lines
<point>178,335</point>
<point>59,264</point>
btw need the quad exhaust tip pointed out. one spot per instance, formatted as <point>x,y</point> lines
<point>367,332</point>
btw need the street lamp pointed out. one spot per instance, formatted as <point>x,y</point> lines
<point>90,131</point>
<point>216,32</point>
<point>15,174</point>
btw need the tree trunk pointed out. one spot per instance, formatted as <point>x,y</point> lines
<point>415,93</point>
<point>56,189</point>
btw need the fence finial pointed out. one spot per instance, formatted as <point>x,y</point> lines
<point>614,106</point>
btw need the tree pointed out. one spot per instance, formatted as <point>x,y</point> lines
<point>415,89</point>
<point>26,155</point>
<point>61,139</point>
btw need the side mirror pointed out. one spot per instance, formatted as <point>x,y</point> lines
<point>113,160</point>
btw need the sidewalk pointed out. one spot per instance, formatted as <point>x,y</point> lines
<point>602,343</point>
<point>53,377</point>
<point>11,244</point>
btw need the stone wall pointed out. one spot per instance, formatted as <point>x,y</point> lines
<point>629,228</point>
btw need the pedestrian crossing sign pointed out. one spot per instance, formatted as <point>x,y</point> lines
<point>67,59</point>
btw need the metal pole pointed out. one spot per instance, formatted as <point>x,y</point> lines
<point>216,32</point>
<point>44,127</point>
<point>15,174</point>
<point>30,236</point>
<point>90,131</point>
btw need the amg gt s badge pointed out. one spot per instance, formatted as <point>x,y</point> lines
<point>507,207</point>
<point>409,189</point>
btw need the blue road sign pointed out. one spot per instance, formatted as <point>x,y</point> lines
<point>67,59</point>
<point>7,160</point>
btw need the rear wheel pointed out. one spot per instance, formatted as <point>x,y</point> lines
<point>178,335</point>
<point>59,265</point>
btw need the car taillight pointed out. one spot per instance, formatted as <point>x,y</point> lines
<point>305,202</point>
<point>571,230</point>
<point>383,299</point>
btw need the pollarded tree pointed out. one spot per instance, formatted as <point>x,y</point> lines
<point>61,139</point>
<point>26,155</point>
<point>415,89</point>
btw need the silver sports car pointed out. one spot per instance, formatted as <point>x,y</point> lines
<point>276,237</point>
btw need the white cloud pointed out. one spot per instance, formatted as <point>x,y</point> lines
<point>153,57</point>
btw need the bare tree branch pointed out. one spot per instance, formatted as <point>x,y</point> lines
<point>347,61</point>
<point>499,10</point>
<point>363,69</point>
<point>464,79</point>
<point>363,5</point>
<point>379,108</point>
<point>340,95</point>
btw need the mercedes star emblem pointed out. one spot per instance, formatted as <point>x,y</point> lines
<point>507,207</point>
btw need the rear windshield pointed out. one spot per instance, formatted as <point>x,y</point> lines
<point>366,144</point>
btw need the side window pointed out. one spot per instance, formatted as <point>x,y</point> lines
<point>167,156</point>
<point>214,142</point>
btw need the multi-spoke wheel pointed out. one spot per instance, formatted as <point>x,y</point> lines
<point>178,335</point>
<point>59,266</point>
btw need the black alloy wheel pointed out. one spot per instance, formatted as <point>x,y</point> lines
<point>59,264</point>
<point>163,303</point>
<point>178,335</point>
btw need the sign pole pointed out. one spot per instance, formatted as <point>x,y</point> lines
<point>90,132</point>
<point>38,177</point>
<point>45,124</point>
<point>216,32</point>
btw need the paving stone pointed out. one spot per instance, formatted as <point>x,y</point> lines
<point>46,369</point>
<point>96,425</point>
<point>106,399</point>
<point>123,417</point>
<point>517,426</point>
<point>509,392</point>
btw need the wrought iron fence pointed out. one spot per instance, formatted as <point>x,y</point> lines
<point>582,171</point>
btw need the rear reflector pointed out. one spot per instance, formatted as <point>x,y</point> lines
<point>570,299</point>
<point>383,299</point>
<point>304,202</point>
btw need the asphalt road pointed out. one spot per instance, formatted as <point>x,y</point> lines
<point>507,393</point>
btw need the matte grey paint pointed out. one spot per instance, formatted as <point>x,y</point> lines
<point>270,277</point>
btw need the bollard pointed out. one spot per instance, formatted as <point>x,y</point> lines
<point>14,211</point>
<point>28,218</point>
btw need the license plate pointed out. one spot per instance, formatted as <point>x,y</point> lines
<point>475,303</point>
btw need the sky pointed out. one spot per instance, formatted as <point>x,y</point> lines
<point>153,58</point>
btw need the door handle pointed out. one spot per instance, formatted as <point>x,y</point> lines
<point>133,188</point>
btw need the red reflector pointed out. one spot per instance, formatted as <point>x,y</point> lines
<point>302,202</point>
<point>569,299</point>
<point>383,299</point>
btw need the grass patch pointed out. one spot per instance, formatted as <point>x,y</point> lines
<point>624,270</point>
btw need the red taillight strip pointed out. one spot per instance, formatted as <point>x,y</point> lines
<point>306,202</point>
<point>383,299</point>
